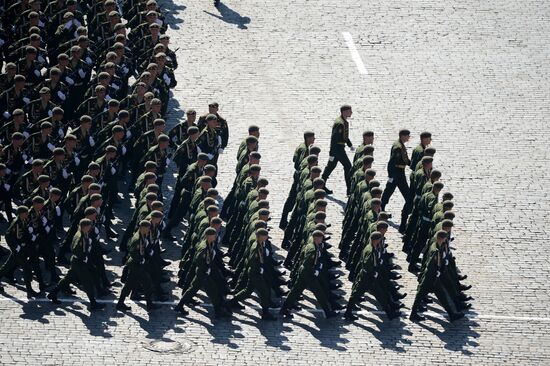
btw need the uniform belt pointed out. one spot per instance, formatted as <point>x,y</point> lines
<point>401,166</point>
<point>426,219</point>
<point>341,143</point>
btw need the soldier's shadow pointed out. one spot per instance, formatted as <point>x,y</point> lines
<point>272,331</point>
<point>390,333</point>
<point>36,310</point>
<point>327,331</point>
<point>158,323</point>
<point>230,16</point>
<point>97,322</point>
<point>223,331</point>
<point>457,335</point>
<point>169,17</point>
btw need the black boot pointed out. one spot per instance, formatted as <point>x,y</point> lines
<point>53,295</point>
<point>150,306</point>
<point>180,309</point>
<point>94,305</point>
<point>266,315</point>
<point>121,306</point>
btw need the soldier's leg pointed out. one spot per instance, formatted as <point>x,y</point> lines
<point>344,160</point>
<point>320,294</point>
<point>290,201</point>
<point>332,161</point>
<point>66,245</point>
<point>391,184</point>
<point>404,189</point>
<point>48,254</point>
<point>445,298</point>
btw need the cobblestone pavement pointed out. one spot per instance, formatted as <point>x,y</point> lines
<point>473,73</point>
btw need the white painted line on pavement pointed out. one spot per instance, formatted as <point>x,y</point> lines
<point>354,54</point>
<point>309,310</point>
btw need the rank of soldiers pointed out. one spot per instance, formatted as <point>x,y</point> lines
<point>83,98</point>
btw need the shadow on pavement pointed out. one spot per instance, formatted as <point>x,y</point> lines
<point>230,16</point>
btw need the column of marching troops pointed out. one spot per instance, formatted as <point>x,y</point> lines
<point>83,97</point>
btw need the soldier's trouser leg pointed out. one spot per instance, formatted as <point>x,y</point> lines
<point>404,189</point>
<point>213,292</point>
<point>320,294</point>
<point>291,199</point>
<point>357,291</point>
<point>382,296</point>
<point>175,199</point>
<point>7,207</point>
<point>47,252</point>
<point>411,224</point>
<point>393,177</point>
<point>194,287</point>
<point>300,285</point>
<point>444,297</point>
<point>420,242</point>
<point>66,246</point>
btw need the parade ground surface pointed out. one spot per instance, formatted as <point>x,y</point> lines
<point>474,73</point>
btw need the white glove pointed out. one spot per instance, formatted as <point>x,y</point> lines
<point>26,100</point>
<point>316,273</point>
<point>108,97</point>
<point>267,252</point>
<point>26,134</point>
<point>96,230</point>
<point>61,95</point>
<point>114,86</point>
<point>167,161</point>
<point>44,221</point>
<point>210,156</point>
<point>68,24</point>
<point>8,170</point>
<point>18,248</point>
<point>58,211</point>
<point>41,24</point>
<point>88,60</point>
<point>65,174</point>
<point>128,134</point>
<point>30,229</point>
<point>320,265</point>
<point>76,161</point>
<point>438,274</point>
<point>25,156</point>
<point>167,79</point>
<point>50,113</point>
<point>91,141</point>
<point>41,59</point>
<point>2,41</point>
<point>47,228</point>
<point>123,150</point>
<point>331,158</point>
<point>81,73</point>
<point>390,180</point>
<point>33,238</point>
<point>50,146</point>
<point>151,252</point>
<point>375,275</point>
<point>142,261</point>
<point>7,186</point>
<point>85,259</point>
<point>6,114</point>
<point>125,70</point>
<point>381,261</point>
<point>261,270</point>
<point>60,133</point>
<point>37,73</point>
<point>219,140</point>
<point>220,151</point>
<point>69,80</point>
<point>113,170</point>
<point>208,271</point>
